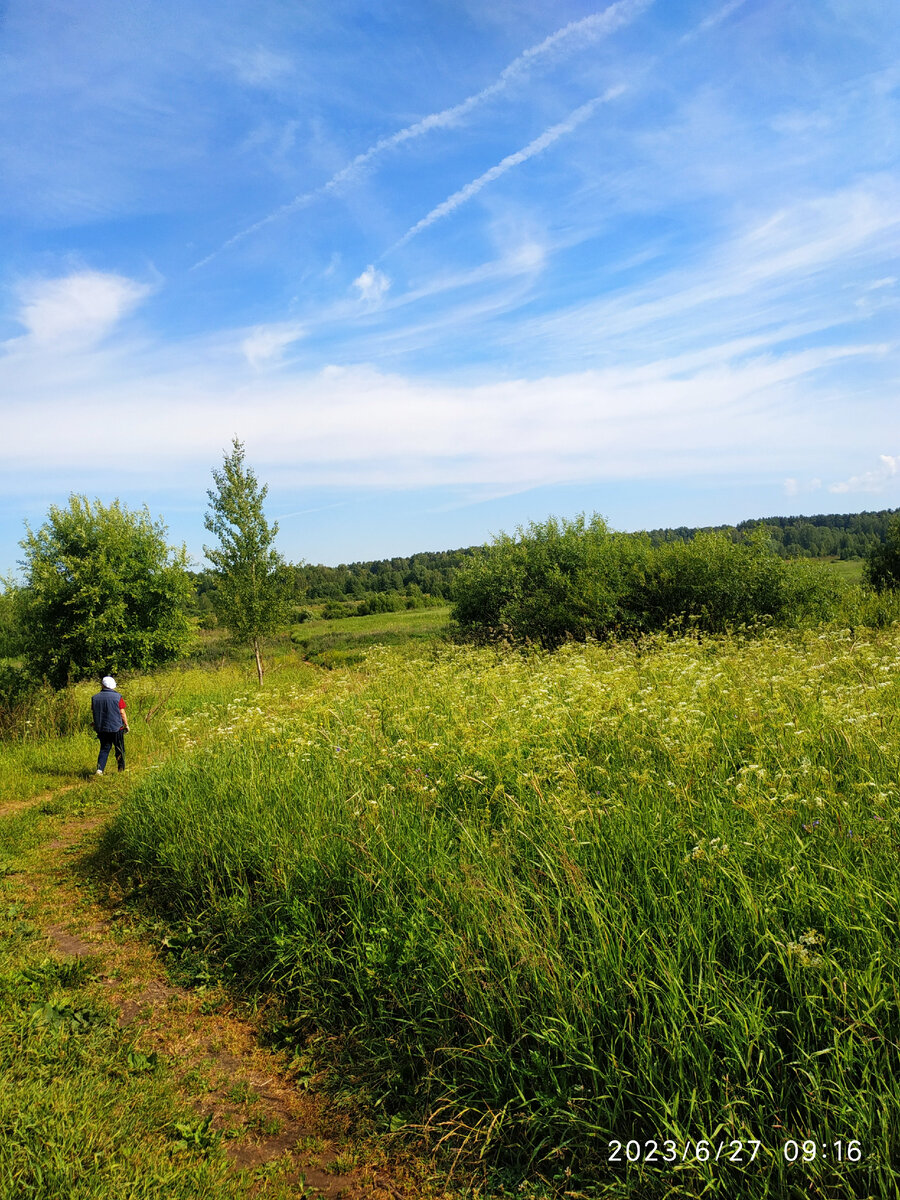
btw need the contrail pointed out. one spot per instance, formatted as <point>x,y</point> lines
<point>719,15</point>
<point>585,30</point>
<point>547,138</point>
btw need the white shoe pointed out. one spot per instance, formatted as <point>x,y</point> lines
<point>99,772</point>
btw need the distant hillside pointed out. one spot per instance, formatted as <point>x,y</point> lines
<point>826,535</point>
<point>431,573</point>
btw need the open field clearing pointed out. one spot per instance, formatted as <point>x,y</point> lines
<point>344,642</point>
<point>537,904</point>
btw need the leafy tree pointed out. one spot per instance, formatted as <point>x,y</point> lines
<point>103,592</point>
<point>253,585</point>
<point>555,580</point>
<point>10,622</point>
<point>882,569</point>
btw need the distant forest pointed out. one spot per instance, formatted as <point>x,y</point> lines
<point>428,577</point>
<point>828,535</point>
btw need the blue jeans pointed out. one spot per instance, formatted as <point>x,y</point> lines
<point>111,741</point>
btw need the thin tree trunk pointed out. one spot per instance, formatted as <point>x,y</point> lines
<point>259,665</point>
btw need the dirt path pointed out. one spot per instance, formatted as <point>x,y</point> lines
<point>251,1097</point>
<point>16,806</point>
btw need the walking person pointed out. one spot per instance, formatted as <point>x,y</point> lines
<point>110,722</point>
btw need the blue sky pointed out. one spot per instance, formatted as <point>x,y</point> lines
<point>449,267</point>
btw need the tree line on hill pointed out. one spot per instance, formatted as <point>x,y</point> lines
<point>104,591</point>
<point>391,584</point>
<point>827,535</point>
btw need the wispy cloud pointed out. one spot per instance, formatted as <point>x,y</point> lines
<point>259,67</point>
<point>796,487</point>
<point>77,309</point>
<point>571,37</point>
<point>363,426</point>
<point>715,18</point>
<point>372,285</point>
<point>547,138</point>
<point>876,480</point>
<point>305,512</point>
<point>267,342</point>
<point>784,275</point>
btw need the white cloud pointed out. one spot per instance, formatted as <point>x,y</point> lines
<point>363,427</point>
<point>781,277</point>
<point>77,309</point>
<point>372,285</point>
<point>794,487</point>
<point>876,480</point>
<point>266,343</point>
<point>716,18</point>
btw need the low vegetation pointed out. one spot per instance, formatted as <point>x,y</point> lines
<point>539,903</point>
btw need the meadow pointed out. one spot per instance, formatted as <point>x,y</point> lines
<point>533,907</point>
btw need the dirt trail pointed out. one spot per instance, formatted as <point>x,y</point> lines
<point>15,806</point>
<point>246,1089</point>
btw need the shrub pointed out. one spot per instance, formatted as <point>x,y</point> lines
<point>334,611</point>
<point>716,584</point>
<point>554,581</point>
<point>575,579</point>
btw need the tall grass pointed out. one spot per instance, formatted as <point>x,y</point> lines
<point>540,903</point>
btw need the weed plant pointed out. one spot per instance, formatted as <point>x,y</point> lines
<point>537,903</point>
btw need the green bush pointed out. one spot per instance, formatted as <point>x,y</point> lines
<point>563,580</point>
<point>103,592</point>
<point>12,638</point>
<point>716,584</point>
<point>335,611</point>
<point>869,608</point>
<point>383,602</point>
<point>882,569</point>
<point>554,581</point>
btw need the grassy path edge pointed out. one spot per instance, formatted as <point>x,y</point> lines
<point>279,1140</point>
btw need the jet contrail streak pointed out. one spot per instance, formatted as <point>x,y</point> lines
<point>580,32</point>
<point>547,138</point>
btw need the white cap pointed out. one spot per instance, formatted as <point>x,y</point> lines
<point>108,682</point>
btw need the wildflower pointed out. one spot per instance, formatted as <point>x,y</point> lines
<point>800,953</point>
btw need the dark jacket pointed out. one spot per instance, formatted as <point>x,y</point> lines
<point>106,712</point>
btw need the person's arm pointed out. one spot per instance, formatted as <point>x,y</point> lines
<point>124,715</point>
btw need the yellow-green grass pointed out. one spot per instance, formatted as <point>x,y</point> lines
<point>344,642</point>
<point>84,1114</point>
<point>543,903</point>
<point>40,759</point>
<point>413,620</point>
<point>850,570</point>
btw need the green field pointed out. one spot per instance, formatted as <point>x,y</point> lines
<point>344,642</point>
<point>537,904</point>
<point>850,570</point>
<point>526,906</point>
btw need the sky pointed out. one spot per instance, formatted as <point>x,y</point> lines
<point>448,268</point>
